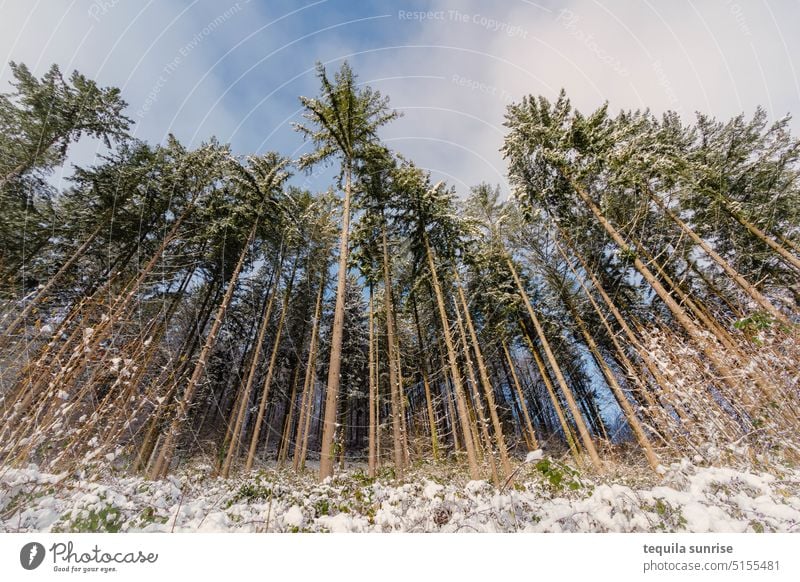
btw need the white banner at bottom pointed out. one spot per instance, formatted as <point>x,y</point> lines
<point>407,557</point>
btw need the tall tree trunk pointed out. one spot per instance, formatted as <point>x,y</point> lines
<point>425,381</point>
<point>726,374</point>
<point>402,394</point>
<point>172,378</point>
<point>480,416</point>
<point>754,293</point>
<point>533,442</point>
<point>633,338</point>
<point>573,407</point>
<point>487,385</point>
<point>286,435</point>
<point>616,389</point>
<point>334,368</point>
<point>394,361</point>
<point>164,458</point>
<point>255,358</point>
<point>449,397</point>
<point>569,435</point>
<point>251,453</point>
<point>304,422</point>
<point>372,384</point>
<point>455,373</point>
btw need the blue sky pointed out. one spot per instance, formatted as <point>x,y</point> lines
<point>198,68</point>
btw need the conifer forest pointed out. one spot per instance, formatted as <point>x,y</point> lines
<point>187,336</point>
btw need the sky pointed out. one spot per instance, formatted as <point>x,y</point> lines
<point>197,68</point>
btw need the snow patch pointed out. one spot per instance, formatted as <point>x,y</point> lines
<point>534,456</point>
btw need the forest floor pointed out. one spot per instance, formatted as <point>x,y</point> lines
<point>546,495</point>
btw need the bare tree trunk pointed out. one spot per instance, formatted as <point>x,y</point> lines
<point>34,386</point>
<point>559,410</point>
<point>304,422</point>
<point>235,436</point>
<point>576,414</point>
<point>533,442</point>
<point>394,363</point>
<point>633,338</point>
<point>451,409</point>
<point>42,293</point>
<point>251,454</point>
<point>487,385</point>
<point>286,435</point>
<point>334,369</point>
<point>480,416</point>
<point>172,379</point>
<point>616,389</point>
<point>114,406</point>
<point>726,374</point>
<point>164,458</point>
<point>426,383</point>
<point>372,384</point>
<point>454,371</point>
<point>401,391</point>
<point>754,293</point>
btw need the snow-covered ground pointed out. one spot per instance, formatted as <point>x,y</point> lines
<point>546,496</point>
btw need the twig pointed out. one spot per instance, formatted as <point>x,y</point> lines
<point>177,512</point>
<point>511,477</point>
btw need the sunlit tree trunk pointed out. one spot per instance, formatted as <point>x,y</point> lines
<point>726,374</point>
<point>458,384</point>
<point>373,386</point>
<point>487,385</point>
<point>235,433</point>
<point>164,457</point>
<point>426,383</point>
<point>480,416</point>
<point>754,293</point>
<point>394,362</point>
<point>533,442</point>
<point>334,369</point>
<point>265,389</point>
<point>573,407</point>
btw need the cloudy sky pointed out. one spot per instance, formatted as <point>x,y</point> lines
<point>198,68</point>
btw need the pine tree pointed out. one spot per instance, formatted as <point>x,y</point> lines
<point>342,123</point>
